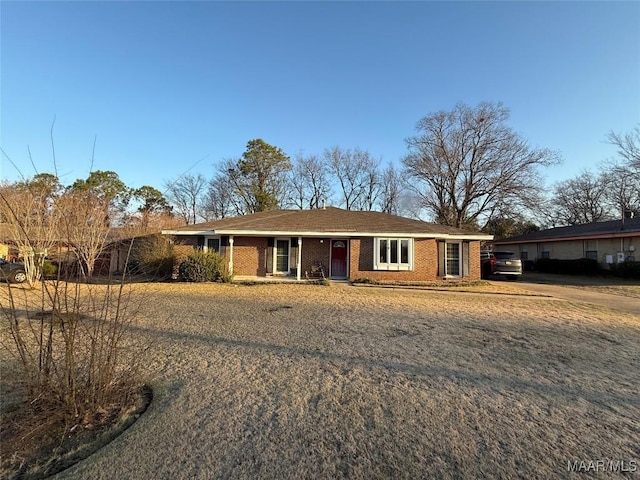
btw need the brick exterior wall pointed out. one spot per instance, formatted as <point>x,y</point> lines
<point>475,269</point>
<point>425,262</point>
<point>250,257</point>
<point>183,246</point>
<point>314,251</point>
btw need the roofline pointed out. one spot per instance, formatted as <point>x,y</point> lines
<point>336,233</point>
<point>573,238</point>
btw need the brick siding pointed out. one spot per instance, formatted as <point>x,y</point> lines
<point>250,254</point>
<point>425,262</point>
<point>315,251</point>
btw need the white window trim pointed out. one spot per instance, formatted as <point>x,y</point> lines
<point>205,247</point>
<point>377,265</point>
<point>275,255</point>
<point>446,263</point>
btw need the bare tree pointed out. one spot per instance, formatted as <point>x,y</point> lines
<point>351,168</point>
<point>218,202</point>
<point>185,194</point>
<point>28,211</point>
<point>582,199</point>
<point>628,147</point>
<point>623,174</point>
<point>466,163</point>
<point>371,183</point>
<point>82,225</point>
<point>391,190</point>
<point>309,182</point>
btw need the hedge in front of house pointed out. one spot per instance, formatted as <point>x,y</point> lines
<point>203,267</point>
<point>580,266</point>
<point>626,269</point>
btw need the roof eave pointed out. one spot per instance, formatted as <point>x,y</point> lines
<point>332,233</point>
<point>599,236</point>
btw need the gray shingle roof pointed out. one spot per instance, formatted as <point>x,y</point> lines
<point>612,228</point>
<point>327,220</point>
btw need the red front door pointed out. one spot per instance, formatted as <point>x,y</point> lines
<point>338,259</point>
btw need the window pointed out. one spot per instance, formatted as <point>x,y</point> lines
<point>591,254</point>
<point>545,251</point>
<point>383,249</point>
<point>281,257</point>
<point>591,249</point>
<point>393,254</point>
<point>211,244</point>
<point>453,259</point>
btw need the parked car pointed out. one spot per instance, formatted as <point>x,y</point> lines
<point>12,272</point>
<point>500,263</point>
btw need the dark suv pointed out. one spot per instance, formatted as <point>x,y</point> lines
<point>12,272</point>
<point>500,263</point>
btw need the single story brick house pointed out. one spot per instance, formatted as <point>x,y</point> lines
<point>608,242</point>
<point>350,244</point>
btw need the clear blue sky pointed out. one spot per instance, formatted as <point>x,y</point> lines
<point>168,86</point>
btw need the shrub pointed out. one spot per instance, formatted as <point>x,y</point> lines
<point>152,255</point>
<point>203,267</point>
<point>580,266</point>
<point>626,269</point>
<point>49,268</point>
<point>366,281</point>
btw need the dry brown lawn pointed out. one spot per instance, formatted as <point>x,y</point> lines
<point>302,381</point>
<point>611,285</point>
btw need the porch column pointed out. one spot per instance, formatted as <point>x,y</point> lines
<point>299,259</point>
<point>230,254</point>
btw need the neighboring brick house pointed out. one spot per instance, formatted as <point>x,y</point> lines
<point>614,241</point>
<point>350,244</point>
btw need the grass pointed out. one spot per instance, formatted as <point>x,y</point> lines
<point>301,381</point>
<point>597,283</point>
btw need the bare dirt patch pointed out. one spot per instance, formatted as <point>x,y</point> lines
<point>297,381</point>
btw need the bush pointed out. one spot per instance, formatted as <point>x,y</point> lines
<point>49,268</point>
<point>203,267</point>
<point>581,266</point>
<point>626,269</point>
<point>153,256</point>
<point>365,281</point>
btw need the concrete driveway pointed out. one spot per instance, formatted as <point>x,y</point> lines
<point>578,294</point>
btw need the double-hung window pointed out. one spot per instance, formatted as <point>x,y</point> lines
<point>591,249</point>
<point>393,253</point>
<point>454,260</point>
<point>545,251</point>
